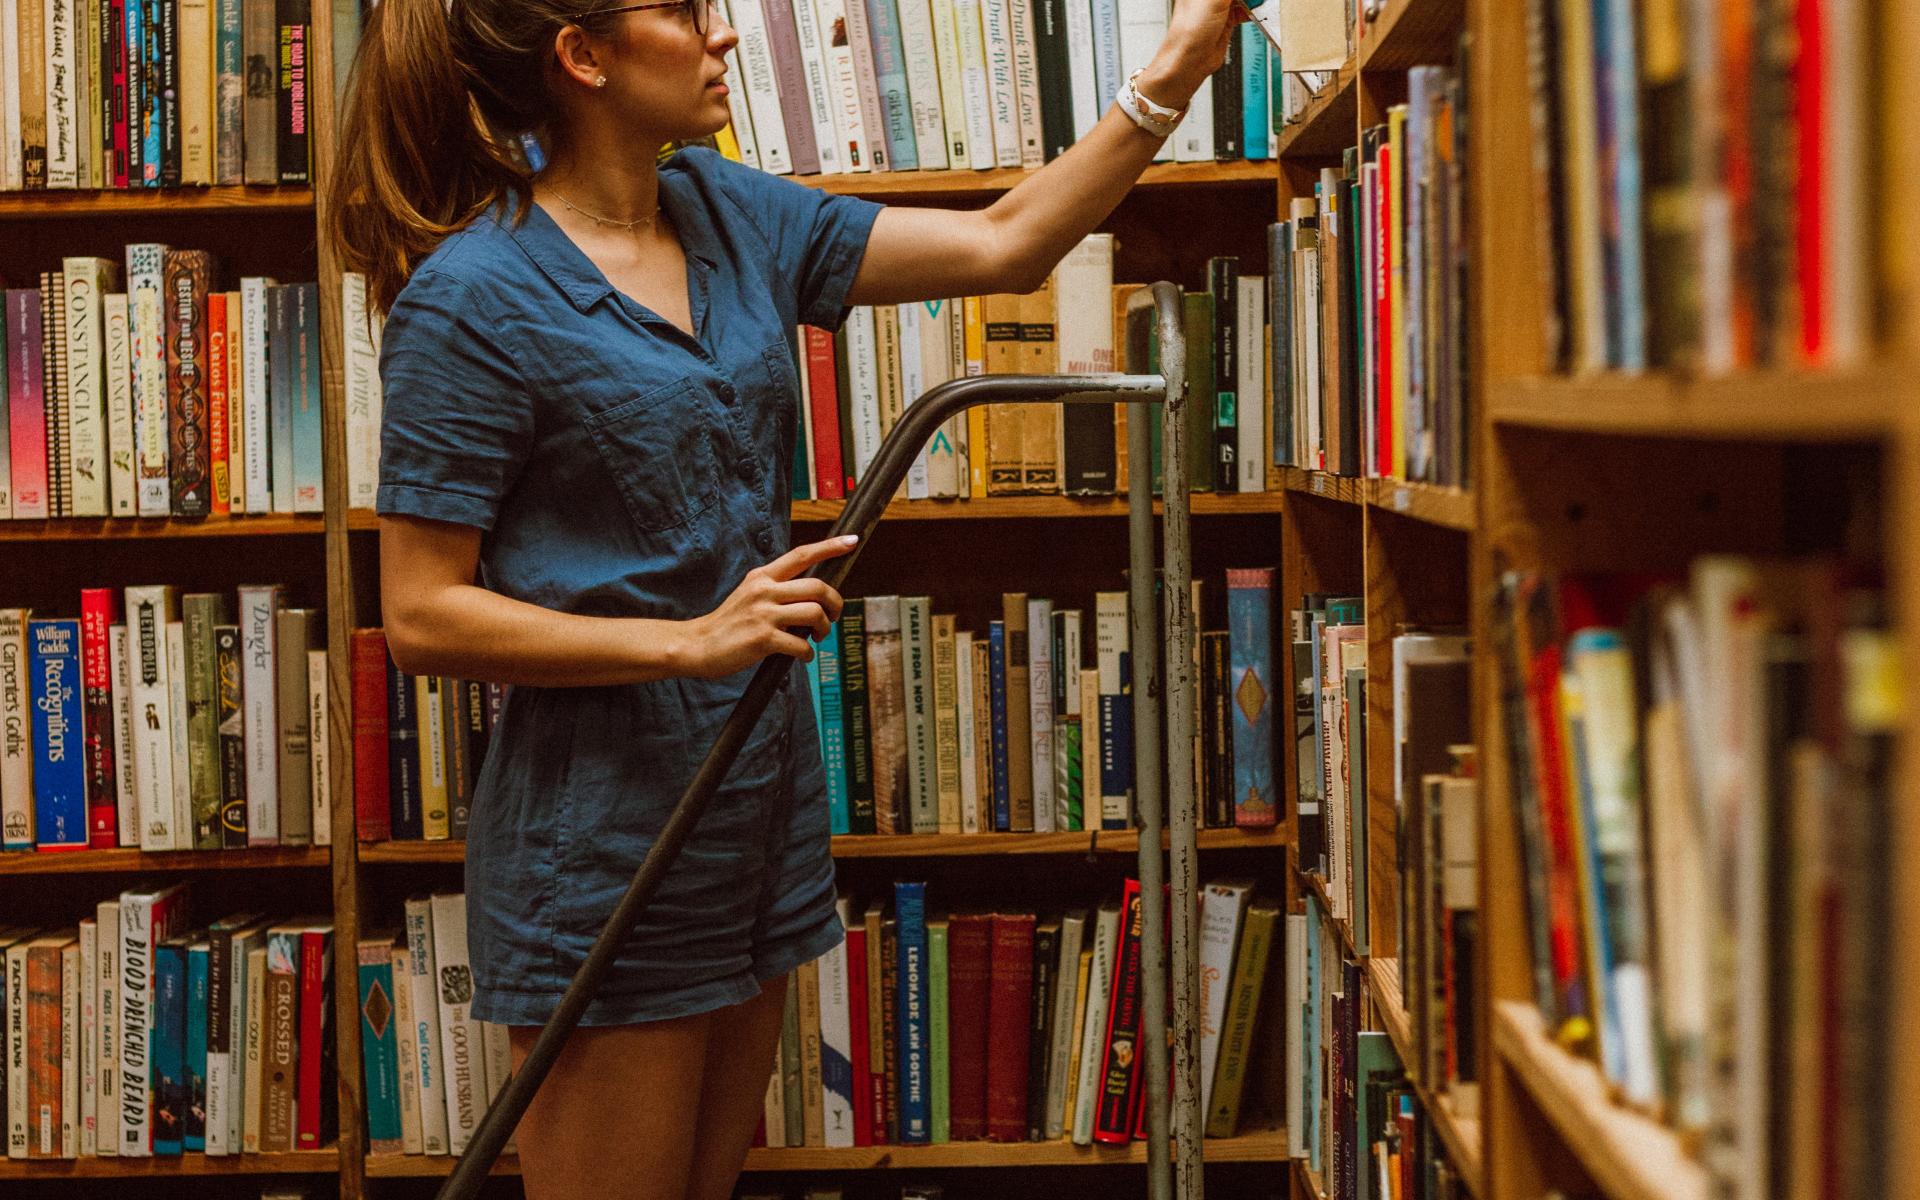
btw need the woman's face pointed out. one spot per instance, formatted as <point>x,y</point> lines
<point>663,76</point>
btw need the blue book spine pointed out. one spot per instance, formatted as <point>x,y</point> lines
<point>1107,72</point>
<point>135,21</point>
<point>306,398</point>
<point>198,965</point>
<point>152,97</point>
<point>1250,671</point>
<point>280,396</point>
<point>168,1039</point>
<point>1253,90</point>
<point>890,73</point>
<point>59,758</point>
<point>380,1050</point>
<point>997,701</point>
<point>1309,1080</point>
<point>830,719</point>
<point>916,1066</point>
<point>1616,75</point>
<point>1116,746</point>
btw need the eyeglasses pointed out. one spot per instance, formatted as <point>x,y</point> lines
<point>698,10</point>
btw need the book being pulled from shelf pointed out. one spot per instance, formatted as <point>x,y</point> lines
<point>1703,788</point>
<point>1702,183</point>
<point>191,723</point>
<point>154,394</point>
<point>160,93</point>
<point>140,1034</point>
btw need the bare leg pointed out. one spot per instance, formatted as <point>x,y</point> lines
<point>615,1119</point>
<point>734,1090</point>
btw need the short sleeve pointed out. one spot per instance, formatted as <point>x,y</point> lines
<point>457,420</point>
<point>818,237</point>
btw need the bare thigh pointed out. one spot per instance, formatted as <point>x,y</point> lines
<point>616,1117</point>
<point>739,1063</point>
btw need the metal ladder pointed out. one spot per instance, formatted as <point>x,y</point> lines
<point>1156,679</point>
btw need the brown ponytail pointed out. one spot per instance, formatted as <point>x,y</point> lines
<point>432,99</point>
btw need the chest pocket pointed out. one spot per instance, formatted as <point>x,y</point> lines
<point>659,448</point>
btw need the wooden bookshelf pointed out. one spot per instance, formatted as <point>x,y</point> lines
<point>1854,406</point>
<point>324,1161</point>
<point>102,862</point>
<point>1628,1154</point>
<point>141,202</point>
<point>1327,126</point>
<point>1461,1133</point>
<point>1266,1145</point>
<point>85,529</point>
<point>1410,32</point>
<point>903,185</point>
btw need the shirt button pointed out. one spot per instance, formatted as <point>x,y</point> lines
<point>745,466</point>
<point>764,541</point>
<point>726,393</point>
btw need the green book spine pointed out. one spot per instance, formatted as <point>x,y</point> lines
<point>1236,1028</point>
<point>796,1119</point>
<point>1075,775</point>
<point>1200,391</point>
<point>853,713</point>
<point>937,1026</point>
<point>201,611</point>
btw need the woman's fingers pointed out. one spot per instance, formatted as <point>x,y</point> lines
<point>804,557</point>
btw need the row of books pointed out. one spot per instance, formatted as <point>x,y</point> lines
<point>1367,295</point>
<point>138,1034</point>
<point>1702,184</point>
<point>168,398</point>
<point>832,86</point>
<point>1703,787</point>
<point>418,745</point>
<point>430,1068</point>
<point>192,724</point>
<point>154,93</point>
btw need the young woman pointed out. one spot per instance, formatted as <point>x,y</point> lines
<point>590,415</point>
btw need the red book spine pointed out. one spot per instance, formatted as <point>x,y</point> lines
<point>969,972</point>
<point>117,97</point>
<point>1809,94</point>
<point>27,403</point>
<point>1009,1022</point>
<point>1140,1091</point>
<point>217,401</point>
<point>1383,317</point>
<point>373,817</point>
<point>858,1032</point>
<point>829,477</point>
<point>1119,1078</point>
<point>99,608</point>
<point>315,1056</point>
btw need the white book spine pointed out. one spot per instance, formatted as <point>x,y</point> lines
<point>86,280</point>
<point>256,1046</point>
<point>407,1047</point>
<point>147,338</point>
<point>86,1052</point>
<point>742,119</point>
<point>1026,83</point>
<point>1083,325</point>
<point>821,104</point>
<point>363,392</point>
<point>460,1049</point>
<point>946,49</point>
<point>1066,994</point>
<point>17,1049</point>
<point>62,76</point>
<point>259,692</point>
<point>255,399</point>
<point>319,746</point>
<point>11,162</point>
<point>106,1037</point>
<point>963,700</point>
<point>70,1050</point>
<point>1251,383</point>
<point>1080,67</point>
<point>234,1091</point>
<point>421,975</point>
<point>763,95</point>
<point>1222,905</point>
<point>976,91</point>
<point>923,84</point>
<point>119,392</point>
<point>1143,26</point>
<point>1193,140</point>
<point>912,383</point>
<point>127,795</point>
<point>863,382</point>
<point>1093,1030</point>
<point>147,611</point>
<point>1040,709</point>
<point>16,742</point>
<point>855,154</point>
<point>996,28</point>
<point>836,1048</point>
<point>177,734</point>
<point>136,1021</point>
<point>236,404</point>
<point>932,319</point>
<point>1110,642</point>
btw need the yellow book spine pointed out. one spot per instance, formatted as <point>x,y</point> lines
<point>196,92</point>
<point>727,143</point>
<point>434,825</point>
<point>974,334</point>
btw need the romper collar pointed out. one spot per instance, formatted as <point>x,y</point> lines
<point>573,272</point>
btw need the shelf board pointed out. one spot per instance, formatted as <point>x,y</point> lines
<point>1770,406</point>
<point>78,529</point>
<point>1410,33</point>
<point>1629,1155</point>
<point>1330,123</point>
<point>1340,489</point>
<point>895,185</point>
<point>306,1162</point>
<point>1449,508</point>
<point>1460,1132</point>
<point>1258,1145</point>
<point>83,862</point>
<point>912,845</point>
<point>116,202</point>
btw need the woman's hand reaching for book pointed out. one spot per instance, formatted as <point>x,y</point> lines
<point>1198,34</point>
<point>759,617</point>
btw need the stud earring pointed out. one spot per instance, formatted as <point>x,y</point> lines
<point>600,82</point>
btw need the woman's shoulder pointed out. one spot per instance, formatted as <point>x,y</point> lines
<point>468,260</point>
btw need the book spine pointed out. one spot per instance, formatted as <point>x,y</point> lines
<point>59,759</point>
<point>121,446</point>
<point>1237,1024</point>
<point>1054,74</point>
<point>136,1018</point>
<point>146,315</point>
<point>1119,1077</point>
<point>379,1046</point>
<point>319,746</point>
<point>219,1039</point>
<point>177,727</point>
<point>11,158</point>
<point>84,1014</point>
<point>229,717</point>
<point>890,77</point>
<point>915,1109</point>
<point>62,64</point>
<point>403,755</point>
<point>127,796</point>
<point>280,1039</point>
<point>148,611</point>
<point>867,85</point>
<point>228,88</point>
<point>16,1071</point>
<point>314,1094</point>
<point>947,64</point>
<point>1022,798</point>
<point>16,736</point>
<point>27,412</point>
<point>293,98</point>
<point>918,57</point>
<point>922,755</point>
<point>303,332</point>
<point>219,408</point>
<point>842,84</point>
<point>429,720</point>
<point>969,719</point>
<point>422,976</point>
<point>406,1050</point>
<point>372,814</point>
<point>259,693</point>
<point>762,85</point>
<point>1046,962</point>
<point>201,613</point>
<point>886,698</point>
<point>99,608</point>
<point>1040,710</point>
<point>194,1110</point>
<point>976,91</point>
<point>196,75</point>
<point>790,82</point>
<point>997,713</point>
<point>1250,620</point>
<point>832,726</point>
<point>53,385</point>
<point>820,102</point>
<point>31,96</point>
<point>945,728</point>
<point>836,1049</point>
<point>163,70</point>
<point>1009,1018</point>
<point>464,1074</point>
<point>85,280</point>
<point>256,393</point>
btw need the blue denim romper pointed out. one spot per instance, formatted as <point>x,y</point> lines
<point>623,469</point>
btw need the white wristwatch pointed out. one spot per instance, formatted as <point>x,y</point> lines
<point>1156,119</point>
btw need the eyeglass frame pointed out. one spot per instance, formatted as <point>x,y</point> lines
<point>702,7</point>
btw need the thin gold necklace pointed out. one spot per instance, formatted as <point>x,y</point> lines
<point>629,226</point>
